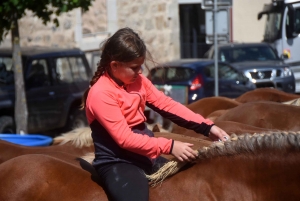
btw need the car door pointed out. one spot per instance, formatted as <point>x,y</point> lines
<point>40,101</point>
<point>231,82</point>
<point>63,89</point>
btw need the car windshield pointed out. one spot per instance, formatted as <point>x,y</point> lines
<point>6,71</point>
<point>272,27</point>
<point>171,74</point>
<point>252,53</point>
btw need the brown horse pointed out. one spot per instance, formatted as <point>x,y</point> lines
<point>266,94</point>
<point>214,115</point>
<point>265,114</point>
<point>231,127</point>
<point>68,147</point>
<point>9,151</point>
<point>248,168</point>
<point>206,106</point>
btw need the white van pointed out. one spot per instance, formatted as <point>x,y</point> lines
<point>282,31</point>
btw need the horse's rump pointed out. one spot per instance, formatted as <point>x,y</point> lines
<point>266,94</point>
<point>265,114</point>
<point>42,177</point>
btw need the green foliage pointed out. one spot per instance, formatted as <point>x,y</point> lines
<point>46,10</point>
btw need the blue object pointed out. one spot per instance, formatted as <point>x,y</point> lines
<point>27,140</point>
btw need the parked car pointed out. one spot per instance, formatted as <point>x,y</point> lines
<point>259,62</point>
<point>188,80</point>
<point>55,80</point>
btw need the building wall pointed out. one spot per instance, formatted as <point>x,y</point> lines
<point>157,22</point>
<point>34,32</point>
<point>246,27</point>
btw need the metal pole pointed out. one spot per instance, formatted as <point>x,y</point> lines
<point>216,49</point>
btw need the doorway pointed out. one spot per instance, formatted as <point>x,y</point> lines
<point>192,31</point>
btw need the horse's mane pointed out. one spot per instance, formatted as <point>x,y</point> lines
<point>80,137</point>
<point>246,143</point>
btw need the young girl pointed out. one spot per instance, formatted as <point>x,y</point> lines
<point>124,148</point>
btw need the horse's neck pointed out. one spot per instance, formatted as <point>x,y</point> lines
<point>9,150</point>
<point>250,175</point>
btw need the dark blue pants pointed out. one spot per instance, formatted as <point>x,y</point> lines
<point>124,182</point>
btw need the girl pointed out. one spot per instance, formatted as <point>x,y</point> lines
<point>124,148</point>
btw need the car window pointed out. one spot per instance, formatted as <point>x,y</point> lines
<point>175,74</point>
<point>157,74</point>
<point>225,72</point>
<point>6,71</point>
<point>69,70</point>
<point>78,69</point>
<point>297,20</point>
<point>228,73</point>
<point>240,54</point>
<point>38,74</point>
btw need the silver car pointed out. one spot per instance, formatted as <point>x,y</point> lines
<point>259,62</point>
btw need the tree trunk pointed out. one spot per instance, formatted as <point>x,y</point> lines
<point>21,113</point>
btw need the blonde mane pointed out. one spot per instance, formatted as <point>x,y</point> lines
<point>80,137</point>
<point>246,143</point>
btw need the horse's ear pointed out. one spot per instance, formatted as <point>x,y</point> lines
<point>155,128</point>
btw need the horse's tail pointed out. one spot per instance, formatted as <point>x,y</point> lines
<point>79,137</point>
<point>89,157</point>
<point>58,140</point>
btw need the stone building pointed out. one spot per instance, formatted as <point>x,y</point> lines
<point>163,24</point>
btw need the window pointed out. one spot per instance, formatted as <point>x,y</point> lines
<point>63,70</point>
<point>240,54</point>
<point>272,27</point>
<point>297,21</point>
<point>172,74</point>
<point>69,70</point>
<point>78,69</point>
<point>38,74</point>
<point>290,26</point>
<point>6,71</point>
<point>157,74</point>
<point>225,72</point>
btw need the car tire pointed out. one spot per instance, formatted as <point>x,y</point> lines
<point>77,119</point>
<point>7,125</point>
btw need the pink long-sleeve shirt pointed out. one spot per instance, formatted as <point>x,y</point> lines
<point>119,108</point>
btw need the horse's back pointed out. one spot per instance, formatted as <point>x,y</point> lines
<point>265,114</point>
<point>266,94</point>
<point>42,177</point>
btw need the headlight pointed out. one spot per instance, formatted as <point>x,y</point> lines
<point>286,72</point>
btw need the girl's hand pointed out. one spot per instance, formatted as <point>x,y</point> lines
<point>217,134</point>
<point>183,151</point>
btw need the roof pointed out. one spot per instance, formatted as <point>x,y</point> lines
<point>181,62</point>
<point>242,44</point>
<point>39,50</point>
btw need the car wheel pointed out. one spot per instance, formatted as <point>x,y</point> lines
<point>77,119</point>
<point>7,125</point>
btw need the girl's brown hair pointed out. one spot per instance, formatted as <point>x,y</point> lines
<point>124,46</point>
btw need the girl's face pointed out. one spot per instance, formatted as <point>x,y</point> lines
<point>128,72</point>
